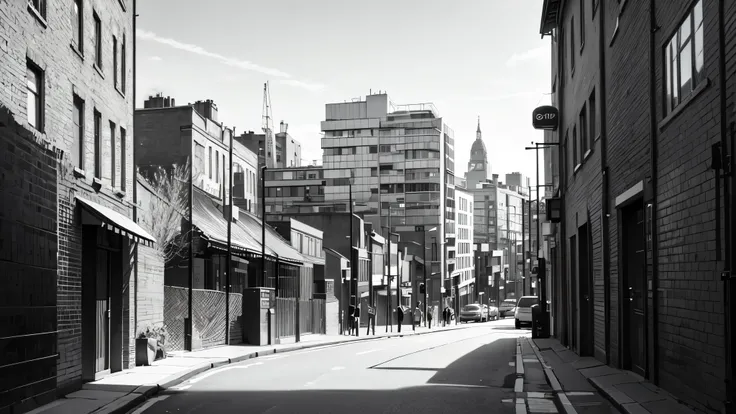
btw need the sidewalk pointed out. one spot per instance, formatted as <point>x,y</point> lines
<point>584,384</point>
<point>121,392</point>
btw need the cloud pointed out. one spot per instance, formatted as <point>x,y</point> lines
<point>532,54</point>
<point>237,63</point>
<point>300,84</point>
<point>155,58</point>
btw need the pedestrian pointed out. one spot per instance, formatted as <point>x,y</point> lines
<point>399,316</point>
<point>449,315</point>
<point>429,318</point>
<point>445,316</point>
<point>357,319</point>
<point>418,314</point>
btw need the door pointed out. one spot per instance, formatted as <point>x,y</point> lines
<point>634,295</point>
<point>574,292</point>
<point>584,292</point>
<point>102,312</point>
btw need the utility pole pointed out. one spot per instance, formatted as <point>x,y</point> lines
<point>263,226</point>
<point>228,185</point>
<point>523,249</point>
<point>353,276</point>
<point>424,255</point>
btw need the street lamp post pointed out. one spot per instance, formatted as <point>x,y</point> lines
<point>424,298</point>
<point>263,227</point>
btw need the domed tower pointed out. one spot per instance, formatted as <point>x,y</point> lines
<point>478,168</point>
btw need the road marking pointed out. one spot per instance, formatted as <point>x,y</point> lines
<point>337,368</point>
<point>520,406</point>
<point>368,352</point>
<point>149,403</point>
<point>538,405</point>
<point>519,385</point>
<point>579,393</point>
<point>215,372</point>
<point>181,387</point>
<point>277,356</point>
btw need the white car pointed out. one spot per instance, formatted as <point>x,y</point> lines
<point>523,312</point>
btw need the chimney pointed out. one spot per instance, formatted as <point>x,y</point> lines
<point>282,127</point>
<point>158,101</point>
<point>495,179</point>
<point>207,109</point>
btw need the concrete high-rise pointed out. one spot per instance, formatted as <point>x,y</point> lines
<point>400,159</point>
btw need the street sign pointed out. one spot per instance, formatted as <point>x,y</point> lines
<point>545,117</point>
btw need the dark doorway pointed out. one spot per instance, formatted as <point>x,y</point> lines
<point>585,294</point>
<point>102,312</point>
<point>634,288</point>
<point>574,292</point>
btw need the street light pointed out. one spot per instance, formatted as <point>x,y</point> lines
<point>388,278</point>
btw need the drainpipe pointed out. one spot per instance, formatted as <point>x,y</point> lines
<point>135,182</point>
<point>605,198</point>
<point>728,285</point>
<point>653,135</point>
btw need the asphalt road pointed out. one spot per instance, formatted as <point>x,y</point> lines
<point>467,371</point>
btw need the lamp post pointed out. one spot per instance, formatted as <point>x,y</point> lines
<point>424,248</point>
<point>263,227</point>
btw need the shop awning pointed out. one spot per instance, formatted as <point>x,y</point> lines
<point>114,221</point>
<point>276,245</point>
<point>210,221</point>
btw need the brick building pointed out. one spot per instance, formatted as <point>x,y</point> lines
<point>67,75</point>
<point>644,92</point>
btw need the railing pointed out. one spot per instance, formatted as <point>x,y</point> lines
<point>312,318</point>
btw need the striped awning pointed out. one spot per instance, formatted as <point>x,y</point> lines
<point>115,222</point>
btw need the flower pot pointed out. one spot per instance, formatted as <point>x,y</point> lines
<point>145,351</point>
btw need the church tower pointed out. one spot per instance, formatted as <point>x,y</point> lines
<point>478,168</point>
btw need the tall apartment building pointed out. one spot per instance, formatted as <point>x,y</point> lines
<point>638,257</point>
<point>69,237</point>
<point>400,160</point>
<point>465,282</point>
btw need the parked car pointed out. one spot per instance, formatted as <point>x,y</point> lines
<point>508,307</point>
<point>523,312</point>
<point>474,312</point>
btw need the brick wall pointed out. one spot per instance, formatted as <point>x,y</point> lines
<point>690,308</point>
<point>28,246</point>
<point>65,73</point>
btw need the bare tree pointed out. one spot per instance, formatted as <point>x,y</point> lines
<point>168,208</point>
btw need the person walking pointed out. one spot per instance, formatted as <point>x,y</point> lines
<point>429,318</point>
<point>418,314</point>
<point>356,320</point>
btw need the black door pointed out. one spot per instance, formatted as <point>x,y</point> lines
<point>102,312</point>
<point>585,294</point>
<point>634,294</point>
<point>574,292</point>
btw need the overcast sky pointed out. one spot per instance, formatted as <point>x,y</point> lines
<point>470,58</point>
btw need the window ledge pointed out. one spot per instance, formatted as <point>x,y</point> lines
<point>38,16</point>
<point>577,168</point>
<point>582,46</point>
<point>99,70</point>
<point>77,51</point>
<point>597,137</point>
<point>97,183</point>
<point>119,193</point>
<point>572,72</point>
<point>120,92</point>
<point>122,4</point>
<point>683,104</point>
<point>79,173</point>
<point>587,154</point>
<point>615,33</point>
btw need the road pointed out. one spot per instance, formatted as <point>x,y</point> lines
<point>468,370</point>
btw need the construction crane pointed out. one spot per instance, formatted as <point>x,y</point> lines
<point>269,152</point>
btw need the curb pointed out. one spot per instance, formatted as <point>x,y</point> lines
<point>561,401</point>
<point>136,397</point>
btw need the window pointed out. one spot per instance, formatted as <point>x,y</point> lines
<point>572,45</point>
<point>592,116</point>
<point>563,56</point>
<point>574,147</point>
<point>583,117</point>
<point>98,149</point>
<point>209,163</point>
<point>98,40</point>
<point>113,141</point>
<point>217,166</point>
<point>123,74</point>
<point>39,6</point>
<point>123,161</point>
<point>582,24</point>
<point>78,133</point>
<point>684,69</point>
<point>115,61</point>
<point>78,25</point>
<point>34,98</point>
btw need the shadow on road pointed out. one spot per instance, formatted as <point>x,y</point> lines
<point>476,382</point>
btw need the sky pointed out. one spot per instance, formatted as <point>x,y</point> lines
<point>471,58</point>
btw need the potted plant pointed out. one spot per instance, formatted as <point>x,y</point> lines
<point>149,345</point>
